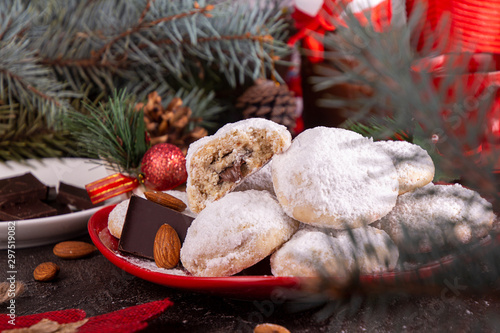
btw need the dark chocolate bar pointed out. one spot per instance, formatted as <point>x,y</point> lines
<point>61,208</point>
<point>26,210</point>
<point>143,220</point>
<point>21,189</point>
<point>75,196</point>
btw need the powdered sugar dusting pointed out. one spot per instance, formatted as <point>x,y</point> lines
<point>432,210</point>
<point>261,180</point>
<point>414,165</point>
<point>311,252</point>
<point>334,177</point>
<point>116,218</point>
<point>216,164</point>
<point>242,125</point>
<point>234,233</point>
<point>150,265</point>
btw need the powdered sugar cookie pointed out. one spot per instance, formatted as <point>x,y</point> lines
<point>434,215</point>
<point>414,165</point>
<point>316,252</point>
<point>217,163</point>
<point>116,218</point>
<point>335,178</point>
<point>234,233</point>
<point>261,180</point>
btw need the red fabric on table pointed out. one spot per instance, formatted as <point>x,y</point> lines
<point>62,317</point>
<point>128,320</point>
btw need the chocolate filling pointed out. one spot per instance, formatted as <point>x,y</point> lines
<point>232,173</point>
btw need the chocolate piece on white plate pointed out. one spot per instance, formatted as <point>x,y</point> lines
<point>26,210</point>
<point>21,188</point>
<point>74,196</point>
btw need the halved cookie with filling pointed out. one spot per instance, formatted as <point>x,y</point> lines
<point>217,163</point>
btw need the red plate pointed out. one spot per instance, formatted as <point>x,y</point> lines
<point>236,286</point>
<point>245,287</point>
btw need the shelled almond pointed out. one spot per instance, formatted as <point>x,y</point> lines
<point>167,247</point>
<point>166,200</point>
<point>73,249</point>
<point>46,271</point>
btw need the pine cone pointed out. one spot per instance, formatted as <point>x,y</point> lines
<point>267,100</point>
<point>170,124</point>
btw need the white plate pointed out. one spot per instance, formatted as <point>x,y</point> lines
<point>51,171</point>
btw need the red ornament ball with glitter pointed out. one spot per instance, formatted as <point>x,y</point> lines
<point>163,167</point>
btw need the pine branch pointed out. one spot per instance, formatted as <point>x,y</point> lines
<point>54,52</point>
<point>166,37</point>
<point>403,96</point>
<point>112,131</point>
<point>25,135</point>
<point>22,78</point>
<point>205,110</point>
<point>371,127</point>
<point>99,57</point>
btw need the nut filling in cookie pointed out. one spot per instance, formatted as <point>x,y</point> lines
<point>218,163</point>
<point>226,168</point>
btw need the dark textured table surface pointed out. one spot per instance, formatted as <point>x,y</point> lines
<point>96,286</point>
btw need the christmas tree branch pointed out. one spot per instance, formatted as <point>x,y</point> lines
<point>145,40</point>
<point>24,80</point>
<point>24,134</point>
<point>113,131</point>
<point>445,112</point>
<point>247,36</point>
<point>55,51</point>
<point>13,77</point>
<point>141,25</point>
<point>97,58</point>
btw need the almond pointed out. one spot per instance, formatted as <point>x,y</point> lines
<point>270,328</point>
<point>46,271</point>
<point>73,249</point>
<point>167,247</point>
<point>166,200</point>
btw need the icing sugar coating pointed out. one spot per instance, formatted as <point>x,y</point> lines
<point>234,233</point>
<point>217,163</point>
<point>335,178</point>
<point>261,180</point>
<point>437,214</point>
<point>414,165</point>
<point>116,218</point>
<point>315,252</point>
<point>239,126</point>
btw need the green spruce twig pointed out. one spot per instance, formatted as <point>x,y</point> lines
<point>54,52</point>
<point>403,95</point>
<point>25,135</point>
<point>113,132</point>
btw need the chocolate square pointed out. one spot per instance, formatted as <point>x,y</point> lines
<point>21,189</point>
<point>61,208</point>
<point>26,210</point>
<point>143,220</point>
<point>75,196</point>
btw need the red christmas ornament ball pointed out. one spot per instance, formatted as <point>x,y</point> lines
<point>163,167</point>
